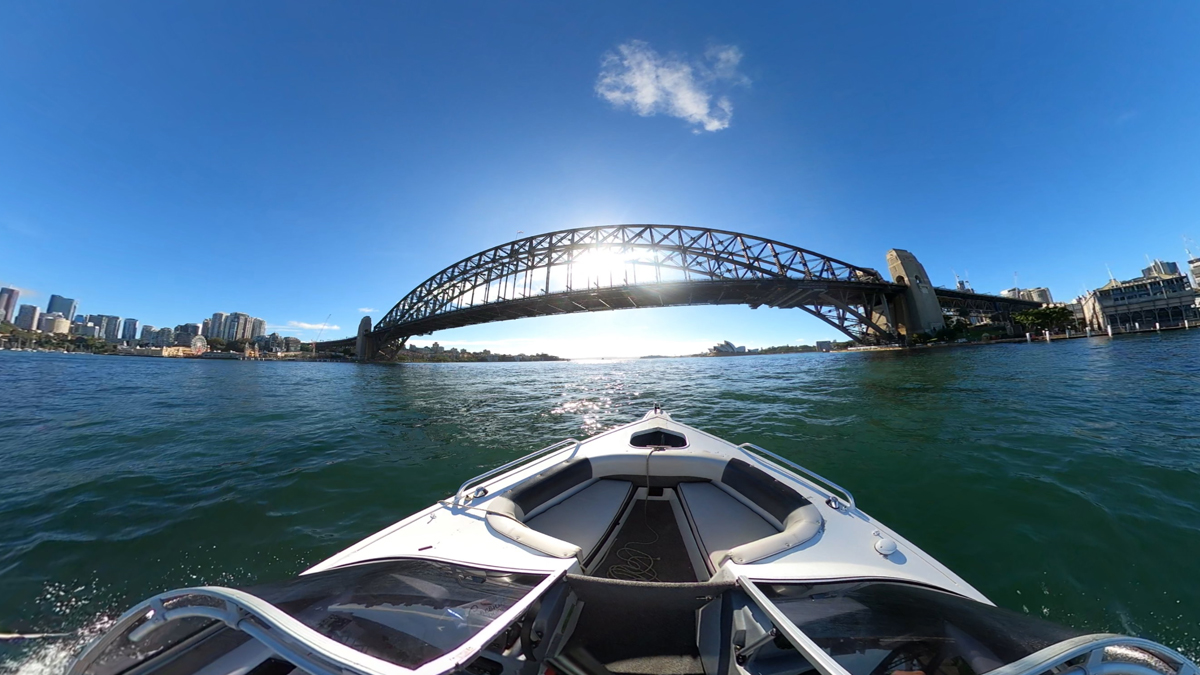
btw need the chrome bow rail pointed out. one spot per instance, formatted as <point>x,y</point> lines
<point>1102,654</point>
<point>461,498</point>
<point>826,484</point>
<point>302,646</point>
<point>1098,654</point>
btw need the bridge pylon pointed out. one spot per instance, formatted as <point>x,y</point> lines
<point>364,345</point>
<point>919,310</point>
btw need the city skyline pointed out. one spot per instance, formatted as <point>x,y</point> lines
<point>293,174</point>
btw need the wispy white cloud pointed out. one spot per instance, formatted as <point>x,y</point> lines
<point>367,310</point>
<point>639,78</point>
<point>25,292</point>
<point>300,325</point>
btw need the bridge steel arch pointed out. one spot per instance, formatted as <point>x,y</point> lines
<point>631,266</point>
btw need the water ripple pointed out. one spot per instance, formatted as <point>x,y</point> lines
<point>1059,479</point>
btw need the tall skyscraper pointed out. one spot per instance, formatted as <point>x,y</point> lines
<point>237,326</point>
<point>112,329</point>
<point>27,317</point>
<point>148,333</point>
<point>216,325</point>
<point>129,329</point>
<point>258,328</point>
<point>8,303</point>
<point>64,306</point>
<point>98,320</point>
<point>204,328</point>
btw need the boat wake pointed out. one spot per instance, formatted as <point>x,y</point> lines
<point>47,654</point>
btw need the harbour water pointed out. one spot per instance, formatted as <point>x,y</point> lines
<point>1062,480</point>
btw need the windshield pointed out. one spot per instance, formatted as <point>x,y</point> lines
<point>407,612</point>
<point>887,628</point>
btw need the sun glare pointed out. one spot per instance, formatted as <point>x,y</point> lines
<point>604,266</point>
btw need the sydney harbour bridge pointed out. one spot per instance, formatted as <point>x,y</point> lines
<point>612,267</point>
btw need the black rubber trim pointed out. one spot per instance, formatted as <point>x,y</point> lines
<point>725,653</point>
<point>769,494</point>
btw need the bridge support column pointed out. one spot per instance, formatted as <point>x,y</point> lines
<point>364,345</point>
<point>920,311</point>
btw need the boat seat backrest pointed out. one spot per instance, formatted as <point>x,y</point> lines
<point>549,484</point>
<point>797,519</point>
<point>763,490</point>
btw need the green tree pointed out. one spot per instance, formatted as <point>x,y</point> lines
<point>216,343</point>
<point>1045,318</point>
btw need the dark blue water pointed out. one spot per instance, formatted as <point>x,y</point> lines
<point>1062,480</point>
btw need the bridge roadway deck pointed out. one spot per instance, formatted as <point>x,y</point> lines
<point>778,293</point>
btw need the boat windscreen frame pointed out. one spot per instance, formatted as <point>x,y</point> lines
<point>1092,647</point>
<point>304,647</point>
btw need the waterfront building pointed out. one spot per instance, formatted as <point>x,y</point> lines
<point>110,326</point>
<point>291,344</point>
<point>8,303</point>
<point>1193,265</point>
<point>216,325</point>
<point>725,347</point>
<point>204,328</point>
<point>97,320</point>
<point>237,326</point>
<point>65,306</point>
<point>1040,294</point>
<point>1161,269</point>
<point>54,323</point>
<point>90,330</point>
<point>112,329</point>
<point>271,343</point>
<point>188,328</point>
<point>258,328</point>
<point>164,337</point>
<point>1163,296</point>
<point>129,329</point>
<point>27,317</point>
<point>1011,293</point>
<point>148,332</point>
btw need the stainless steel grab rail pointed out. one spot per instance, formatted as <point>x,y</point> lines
<point>812,474</point>
<point>459,497</point>
<point>1099,659</point>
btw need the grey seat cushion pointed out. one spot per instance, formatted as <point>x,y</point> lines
<point>721,521</point>
<point>584,517</point>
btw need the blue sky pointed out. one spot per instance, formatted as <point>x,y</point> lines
<point>300,160</point>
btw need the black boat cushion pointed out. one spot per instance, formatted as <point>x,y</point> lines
<point>551,483</point>
<point>769,494</point>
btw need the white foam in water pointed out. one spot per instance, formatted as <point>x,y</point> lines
<point>52,656</point>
